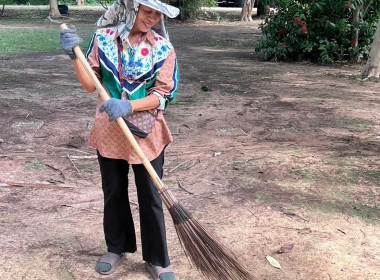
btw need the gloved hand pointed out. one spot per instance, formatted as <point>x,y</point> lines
<point>69,39</point>
<point>116,108</point>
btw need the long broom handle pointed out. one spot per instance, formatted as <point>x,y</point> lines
<point>104,95</point>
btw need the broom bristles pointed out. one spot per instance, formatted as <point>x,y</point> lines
<point>213,259</point>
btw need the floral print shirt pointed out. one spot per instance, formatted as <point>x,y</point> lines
<point>148,67</point>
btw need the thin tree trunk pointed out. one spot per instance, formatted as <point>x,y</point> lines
<point>246,13</point>
<point>54,12</point>
<point>372,68</point>
<point>355,20</point>
<point>358,15</point>
<point>2,10</point>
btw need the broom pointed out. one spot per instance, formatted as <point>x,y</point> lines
<point>209,256</point>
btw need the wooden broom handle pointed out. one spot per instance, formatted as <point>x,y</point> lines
<point>104,95</point>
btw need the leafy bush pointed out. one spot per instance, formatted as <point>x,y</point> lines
<point>37,2</point>
<point>319,30</point>
<point>190,9</point>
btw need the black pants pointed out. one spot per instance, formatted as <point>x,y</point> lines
<point>118,224</point>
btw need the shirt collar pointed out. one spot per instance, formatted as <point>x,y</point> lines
<point>149,36</point>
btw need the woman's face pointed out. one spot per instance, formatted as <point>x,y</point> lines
<point>146,18</point>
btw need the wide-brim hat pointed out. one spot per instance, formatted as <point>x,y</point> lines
<point>160,6</point>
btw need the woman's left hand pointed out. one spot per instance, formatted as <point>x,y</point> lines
<point>116,108</point>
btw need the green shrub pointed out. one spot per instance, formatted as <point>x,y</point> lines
<point>191,9</point>
<point>37,2</point>
<point>318,30</point>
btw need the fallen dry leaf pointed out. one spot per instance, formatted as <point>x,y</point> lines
<point>287,248</point>
<point>273,262</point>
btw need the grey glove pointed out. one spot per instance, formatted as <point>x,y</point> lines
<point>69,39</point>
<point>116,108</point>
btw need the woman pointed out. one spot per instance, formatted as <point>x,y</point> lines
<point>138,67</point>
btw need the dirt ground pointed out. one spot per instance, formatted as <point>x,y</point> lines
<point>273,154</point>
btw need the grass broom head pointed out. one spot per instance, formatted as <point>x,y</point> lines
<point>214,260</point>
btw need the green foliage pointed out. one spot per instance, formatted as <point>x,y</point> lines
<point>190,9</point>
<point>318,30</point>
<point>6,2</point>
<point>37,2</point>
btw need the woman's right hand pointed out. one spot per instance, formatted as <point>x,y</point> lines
<point>68,40</point>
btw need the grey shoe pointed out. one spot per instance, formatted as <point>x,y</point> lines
<point>160,273</point>
<point>109,262</point>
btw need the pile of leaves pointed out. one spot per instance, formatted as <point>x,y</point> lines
<point>319,30</point>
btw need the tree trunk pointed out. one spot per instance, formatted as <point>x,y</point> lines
<point>54,12</point>
<point>372,68</point>
<point>355,20</point>
<point>246,13</point>
<point>2,10</point>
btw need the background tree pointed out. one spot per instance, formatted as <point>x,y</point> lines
<point>2,9</point>
<point>372,68</point>
<point>358,13</point>
<point>246,13</point>
<point>54,12</point>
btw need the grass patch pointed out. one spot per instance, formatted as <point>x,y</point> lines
<point>264,197</point>
<point>35,164</point>
<point>357,123</point>
<point>372,176</point>
<point>364,212</point>
<point>217,44</point>
<point>19,41</point>
<point>171,182</point>
<point>323,96</point>
<point>88,168</point>
<point>229,44</point>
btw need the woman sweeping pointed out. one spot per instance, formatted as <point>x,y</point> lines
<point>132,56</point>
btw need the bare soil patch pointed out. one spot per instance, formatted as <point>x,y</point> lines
<point>273,154</point>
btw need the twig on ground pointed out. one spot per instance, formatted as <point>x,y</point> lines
<point>340,231</point>
<point>295,215</point>
<point>191,166</point>
<point>180,185</point>
<point>252,213</point>
<point>68,156</point>
<point>54,168</point>
<point>83,157</point>
<point>87,201</point>
<point>54,21</point>
<point>84,209</point>
<point>178,166</point>
<point>76,150</point>
<point>27,185</point>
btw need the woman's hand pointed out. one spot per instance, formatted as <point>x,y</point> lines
<point>68,40</point>
<point>116,108</point>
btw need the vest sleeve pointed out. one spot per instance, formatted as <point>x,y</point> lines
<point>166,84</point>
